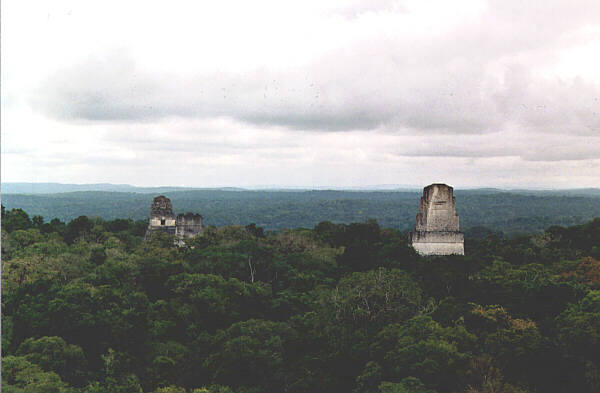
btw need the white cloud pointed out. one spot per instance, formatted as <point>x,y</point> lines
<point>334,93</point>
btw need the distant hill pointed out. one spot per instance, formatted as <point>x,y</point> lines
<point>53,188</point>
<point>571,192</point>
<point>510,212</point>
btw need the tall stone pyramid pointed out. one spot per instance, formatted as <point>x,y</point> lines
<point>437,230</point>
<point>163,219</point>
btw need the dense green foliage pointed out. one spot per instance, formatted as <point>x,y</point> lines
<point>89,307</point>
<point>508,212</point>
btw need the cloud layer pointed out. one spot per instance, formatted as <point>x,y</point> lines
<point>331,86</point>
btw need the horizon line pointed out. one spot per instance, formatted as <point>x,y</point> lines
<point>266,187</point>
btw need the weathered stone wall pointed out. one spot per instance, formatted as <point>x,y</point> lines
<point>437,225</point>
<point>437,236</point>
<point>161,207</point>
<point>189,225</point>
<point>430,248</point>
<point>162,219</point>
<point>438,209</point>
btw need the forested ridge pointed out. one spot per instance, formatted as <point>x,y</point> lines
<point>88,306</point>
<point>511,213</point>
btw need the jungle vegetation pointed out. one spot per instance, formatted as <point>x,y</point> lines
<point>89,307</point>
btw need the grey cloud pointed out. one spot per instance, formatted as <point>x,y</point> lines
<point>553,106</point>
<point>303,99</point>
<point>563,152</point>
<point>442,150</point>
<point>442,100</point>
<point>528,147</point>
<point>429,84</point>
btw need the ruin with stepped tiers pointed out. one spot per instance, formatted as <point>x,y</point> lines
<point>437,228</point>
<point>163,219</point>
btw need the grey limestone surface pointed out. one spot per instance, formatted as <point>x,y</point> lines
<point>437,224</point>
<point>163,219</point>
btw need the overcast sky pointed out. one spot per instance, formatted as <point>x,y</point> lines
<point>305,93</point>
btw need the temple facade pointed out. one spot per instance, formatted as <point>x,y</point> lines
<point>437,227</point>
<point>163,219</point>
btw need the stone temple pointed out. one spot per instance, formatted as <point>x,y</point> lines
<point>437,231</point>
<point>163,219</point>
